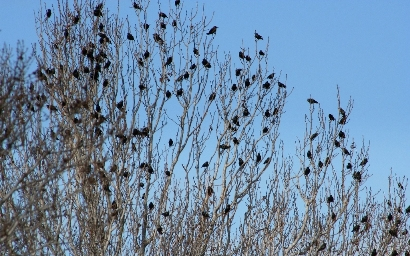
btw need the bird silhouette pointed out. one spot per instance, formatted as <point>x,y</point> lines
<point>337,143</point>
<point>162,15</point>
<point>170,142</point>
<point>281,85</point>
<point>205,214</point>
<point>234,87</point>
<point>265,130</point>
<point>136,6</point>
<point>258,37</point>
<point>165,214</point>
<point>266,85</point>
<point>48,13</point>
<point>174,23</point>
<point>320,164</point>
<point>271,76</point>
<point>363,162</point>
<point>212,30</point>
<point>246,112</point>
<point>120,104</point>
<point>342,135</point>
<point>151,206</point>
<point>345,151</point>
<point>261,53</point>
<point>238,71</point>
<point>309,154</point>
<point>179,92</point>
<point>267,113</point>
<point>157,38</point>
<point>224,146</point>
<point>356,228</point>
<point>130,37</point>
<point>196,51</point>
<point>168,94</point>
<point>258,157</point>
<point>342,112</point>
<point>374,252</point>
<point>212,96</point>
<point>313,136</point>
<point>247,82</point>
<point>267,161</point>
<point>160,230</point>
<point>331,117</point>
<point>357,176</point>
<point>330,199</point>
<point>235,141</point>
<point>193,66</point>
<point>307,171</point>
<point>145,26</point>
<point>168,173</point>
<point>206,164</point>
<point>349,166</point>
<point>169,61</point>
<point>209,191</point>
<point>248,58</point>
<point>312,101</point>
<point>241,55</point>
<point>364,219</point>
<point>227,209</point>
<point>240,162</point>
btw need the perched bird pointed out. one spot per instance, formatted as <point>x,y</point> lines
<point>179,92</point>
<point>331,117</point>
<point>281,85</point>
<point>205,214</point>
<point>162,15</point>
<point>342,135</point>
<point>235,140</point>
<point>76,74</point>
<point>168,173</point>
<point>258,157</point>
<point>196,51</point>
<point>209,191</point>
<point>151,206</point>
<point>363,162</point>
<point>266,85</point>
<point>394,253</point>
<point>98,108</point>
<point>206,164</point>
<point>246,112</point>
<point>261,53</point>
<point>343,120</point>
<point>235,120</point>
<point>345,151</point>
<point>227,209</point>
<point>267,113</point>
<point>48,13</point>
<point>174,23</point>
<point>356,228</point>
<point>169,61</point>
<point>142,87</point>
<point>342,112</point>
<point>238,71</point>
<point>390,217</point>
<point>224,146</point>
<point>393,232</point>
<point>212,96</point>
<point>312,101</point>
<point>212,30</point>
<point>234,87</point>
<point>170,142</point>
<point>146,54</point>
<point>271,76</point>
<point>145,26</point>
<point>130,37</point>
<point>247,82</point>
<point>330,199</point>
<point>307,171</point>
<point>349,166</point>
<point>157,38</point>
<point>364,219</point>
<point>258,37</point>
<point>267,160</point>
<point>265,130</point>
<point>120,104</point>
<point>248,58</point>
<point>374,252</point>
<point>177,2</point>
<point>313,136</point>
<point>241,55</point>
<point>309,154</point>
<point>136,6</point>
<point>408,209</point>
<point>168,94</point>
<point>240,162</point>
<point>193,66</point>
<point>160,230</point>
<point>337,143</point>
<point>320,164</point>
<point>165,214</point>
<point>357,176</point>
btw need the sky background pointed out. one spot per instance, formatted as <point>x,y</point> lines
<point>361,46</point>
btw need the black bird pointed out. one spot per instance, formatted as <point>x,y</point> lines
<point>337,143</point>
<point>267,113</point>
<point>157,38</point>
<point>357,176</point>
<point>205,62</point>
<point>146,26</point>
<point>151,206</point>
<point>160,230</point>
<point>400,185</point>
<point>258,37</point>
<point>330,199</point>
<point>98,108</point>
<point>76,74</point>
<point>162,15</point>
<point>342,112</point>
<point>169,61</point>
<point>146,54</point>
<point>363,162</point>
<point>261,53</point>
<point>76,19</point>
<point>408,209</point>
<point>271,76</point>
<point>258,157</point>
<point>309,154</point>
<point>212,30</point>
<point>313,136</point>
<point>247,82</point>
<point>307,171</point>
<point>235,120</point>
<point>193,66</point>
<point>168,173</point>
<point>331,117</point>
<point>364,219</point>
<point>248,58</point>
<point>349,166</point>
<point>98,12</point>
<point>246,112</point>
<point>281,85</point>
<point>238,71</point>
<point>107,64</point>
<point>177,2</point>
<point>136,6</point>
<point>312,101</point>
<point>168,94</point>
<point>227,209</point>
<point>356,228</point>
<point>267,160</point>
<point>206,164</point>
<point>165,214</point>
<point>234,87</point>
<point>130,37</point>
<point>48,13</point>
<point>241,55</point>
<point>163,25</point>
<point>209,191</point>
<point>322,247</point>
<point>343,120</point>
<point>114,205</point>
<point>205,214</point>
<point>266,85</point>
<point>374,252</point>
<point>170,142</point>
<point>212,96</point>
<point>320,164</point>
<point>174,23</point>
<point>345,151</point>
<point>393,232</point>
<point>390,217</point>
<point>394,252</point>
<point>224,146</point>
<point>265,130</point>
<point>196,51</point>
<point>86,70</point>
<point>120,104</point>
<point>186,75</point>
<point>179,92</point>
<point>240,162</point>
<point>235,140</point>
<point>342,135</point>
<point>65,33</point>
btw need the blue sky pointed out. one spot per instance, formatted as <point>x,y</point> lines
<point>362,46</point>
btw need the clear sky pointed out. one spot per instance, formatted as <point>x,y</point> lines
<point>362,46</point>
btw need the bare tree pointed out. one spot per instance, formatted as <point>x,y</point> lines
<point>138,137</point>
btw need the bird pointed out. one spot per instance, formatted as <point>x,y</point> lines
<point>227,209</point>
<point>205,214</point>
<point>313,136</point>
<point>265,130</point>
<point>142,87</point>
<point>107,64</point>
<point>174,23</point>
<point>151,206</point>
<point>212,30</point>
<point>247,82</point>
<point>258,37</point>
<point>267,161</point>
<point>266,85</point>
<point>136,6</point>
<point>390,217</point>
<point>357,176</point>
<point>224,146</point>
<point>48,13</point>
<point>343,120</point>
<point>170,142</point>
<point>267,113</point>
<point>337,143</point>
<point>271,76</point>
<point>159,229</point>
<point>179,92</point>
<point>307,171</point>
<point>168,173</point>
<point>342,112</point>
<point>235,120</point>
<point>193,66</point>
<point>408,209</point>
<point>393,232</point>
<point>312,101</point>
<point>76,74</point>
<point>168,94</point>
<point>209,191</point>
<point>234,87</point>
<point>165,214</point>
<point>356,228</point>
<point>157,38</point>
<point>363,162</point>
<point>196,51</point>
<point>240,162</point>
<point>330,199</point>
<point>97,11</point>
<point>342,135</point>
<point>206,164</point>
<point>130,37</point>
<point>120,104</point>
<point>169,61</point>
<point>394,252</point>
<point>146,26</point>
<point>238,71</point>
<point>248,58</point>
<point>345,151</point>
<point>261,53</point>
<point>98,108</point>
<point>374,252</point>
<point>246,112</point>
<point>364,219</point>
<point>349,166</point>
<point>114,205</point>
<point>320,164</point>
<point>331,117</point>
<point>309,154</point>
<point>177,2</point>
<point>235,141</point>
<point>241,55</point>
<point>258,157</point>
<point>212,96</point>
<point>146,54</point>
<point>162,15</point>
